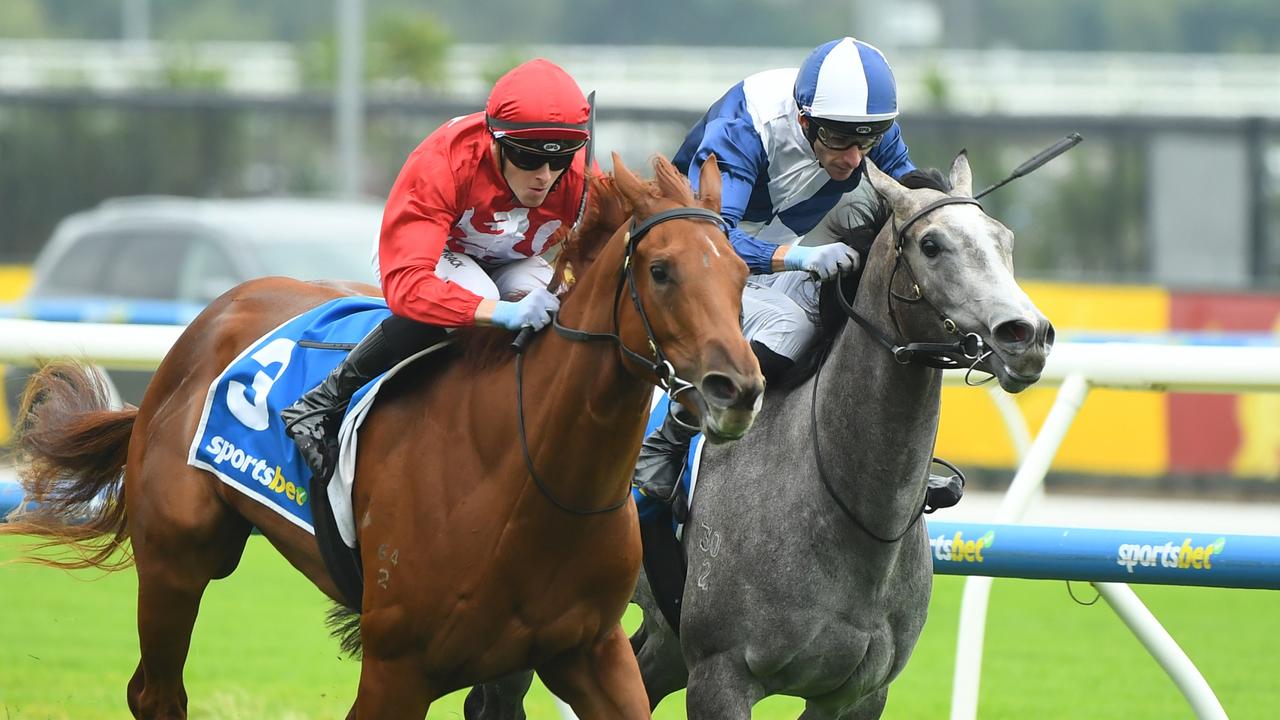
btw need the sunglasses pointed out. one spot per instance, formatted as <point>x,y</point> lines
<point>526,160</point>
<point>840,142</point>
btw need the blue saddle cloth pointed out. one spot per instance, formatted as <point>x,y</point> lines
<point>647,507</point>
<point>241,437</point>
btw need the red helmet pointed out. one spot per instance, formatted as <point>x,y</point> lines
<point>538,107</point>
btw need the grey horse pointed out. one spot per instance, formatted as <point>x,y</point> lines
<point>809,568</point>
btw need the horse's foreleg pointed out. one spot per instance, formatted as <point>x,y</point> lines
<point>134,691</point>
<point>662,666</point>
<point>721,687</point>
<point>501,699</point>
<point>600,681</point>
<point>396,688</point>
<point>870,707</point>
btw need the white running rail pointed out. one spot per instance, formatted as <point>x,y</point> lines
<point>1077,368</point>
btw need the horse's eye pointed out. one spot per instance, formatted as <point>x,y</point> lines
<point>929,247</point>
<point>659,273</point>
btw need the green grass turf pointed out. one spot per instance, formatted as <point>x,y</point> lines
<point>260,651</point>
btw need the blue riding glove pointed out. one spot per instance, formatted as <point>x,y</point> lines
<point>823,262</point>
<point>533,310</point>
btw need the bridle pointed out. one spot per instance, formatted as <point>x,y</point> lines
<point>659,365</point>
<point>969,348</point>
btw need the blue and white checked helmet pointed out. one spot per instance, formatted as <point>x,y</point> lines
<point>848,81</point>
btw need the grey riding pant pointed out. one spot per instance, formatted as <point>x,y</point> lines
<point>780,310</point>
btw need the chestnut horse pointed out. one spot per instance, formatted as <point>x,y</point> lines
<point>479,560</point>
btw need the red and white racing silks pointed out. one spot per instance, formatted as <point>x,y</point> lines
<point>451,193</point>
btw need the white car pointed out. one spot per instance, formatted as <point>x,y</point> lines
<point>161,260</point>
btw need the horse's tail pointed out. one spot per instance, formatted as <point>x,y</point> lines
<point>71,447</point>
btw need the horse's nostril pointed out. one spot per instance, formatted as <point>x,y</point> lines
<point>1015,332</point>
<point>719,389</point>
<point>1049,335</point>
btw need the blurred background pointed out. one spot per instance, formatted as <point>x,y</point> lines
<point>154,153</point>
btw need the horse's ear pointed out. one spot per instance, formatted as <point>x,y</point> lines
<point>672,183</point>
<point>961,176</point>
<point>887,187</point>
<point>632,188</point>
<point>709,184</point>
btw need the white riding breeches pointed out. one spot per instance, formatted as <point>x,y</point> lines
<point>780,310</point>
<point>508,281</point>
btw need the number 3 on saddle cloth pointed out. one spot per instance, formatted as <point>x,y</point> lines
<point>241,437</point>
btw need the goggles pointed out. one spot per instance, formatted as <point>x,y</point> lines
<point>838,141</point>
<point>526,158</point>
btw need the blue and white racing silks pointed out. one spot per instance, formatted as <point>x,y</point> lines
<point>774,191</point>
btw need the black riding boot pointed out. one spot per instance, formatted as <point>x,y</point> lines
<point>663,455</point>
<point>313,420</point>
<point>772,365</point>
<point>662,458</point>
<point>943,491</point>
<point>664,565</point>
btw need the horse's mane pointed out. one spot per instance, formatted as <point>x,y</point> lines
<point>874,212</point>
<point>578,248</point>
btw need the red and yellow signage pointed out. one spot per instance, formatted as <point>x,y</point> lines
<point>1144,434</point>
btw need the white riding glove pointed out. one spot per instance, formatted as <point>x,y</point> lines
<point>823,262</point>
<point>533,310</point>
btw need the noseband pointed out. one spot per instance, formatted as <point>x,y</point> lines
<point>660,366</point>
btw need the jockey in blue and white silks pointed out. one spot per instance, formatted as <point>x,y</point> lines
<point>790,144</point>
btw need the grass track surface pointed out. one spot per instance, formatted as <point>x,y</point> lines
<point>260,651</point>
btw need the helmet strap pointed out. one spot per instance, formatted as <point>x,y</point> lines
<point>810,130</point>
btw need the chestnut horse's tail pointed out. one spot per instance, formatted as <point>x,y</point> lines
<point>71,447</point>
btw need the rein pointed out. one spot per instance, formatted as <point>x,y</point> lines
<point>945,356</point>
<point>660,366</point>
<point>817,456</point>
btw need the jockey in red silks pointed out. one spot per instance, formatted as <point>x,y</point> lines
<point>474,208</point>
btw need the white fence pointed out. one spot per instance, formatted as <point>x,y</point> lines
<point>1076,368</point>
